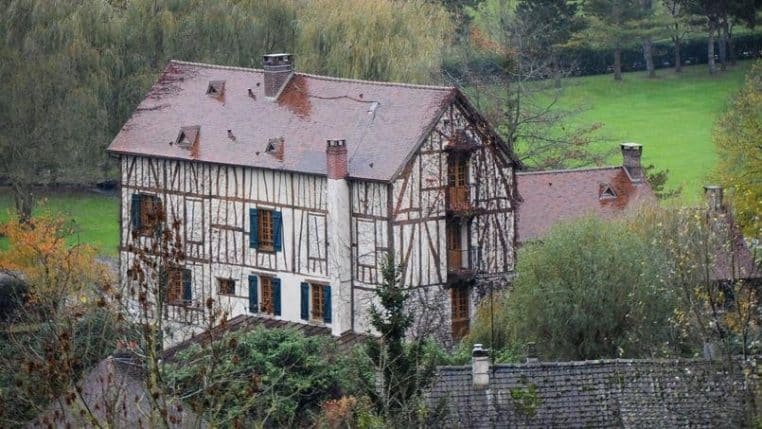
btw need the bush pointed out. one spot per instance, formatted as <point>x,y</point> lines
<point>273,376</point>
<point>589,290</point>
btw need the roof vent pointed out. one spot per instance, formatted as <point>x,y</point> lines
<point>187,136</point>
<point>216,88</point>
<point>275,147</point>
<point>605,191</point>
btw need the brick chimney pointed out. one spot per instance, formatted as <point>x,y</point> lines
<point>631,161</point>
<point>713,195</point>
<point>278,69</point>
<point>480,367</point>
<point>336,157</point>
<point>339,240</point>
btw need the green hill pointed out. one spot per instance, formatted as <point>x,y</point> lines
<point>672,116</point>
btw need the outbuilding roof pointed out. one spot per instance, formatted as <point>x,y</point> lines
<point>550,197</point>
<point>233,121</point>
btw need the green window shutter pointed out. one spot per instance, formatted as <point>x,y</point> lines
<point>277,231</point>
<point>327,304</point>
<point>135,211</point>
<point>276,297</point>
<point>253,228</point>
<point>187,286</point>
<point>253,295</point>
<point>305,301</point>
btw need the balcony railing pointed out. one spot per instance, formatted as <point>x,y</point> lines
<point>461,260</point>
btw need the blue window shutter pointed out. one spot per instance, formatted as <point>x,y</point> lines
<point>277,231</point>
<point>163,280</point>
<point>135,211</point>
<point>305,301</point>
<point>276,297</point>
<point>327,304</point>
<point>253,228</point>
<point>187,286</point>
<point>253,295</point>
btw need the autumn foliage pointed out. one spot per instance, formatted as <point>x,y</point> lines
<point>54,271</point>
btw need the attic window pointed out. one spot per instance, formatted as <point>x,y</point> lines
<point>216,88</point>
<point>605,191</point>
<point>187,136</point>
<point>275,147</point>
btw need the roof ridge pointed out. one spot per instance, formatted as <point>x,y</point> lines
<point>570,170</point>
<point>378,82</point>
<point>317,76</point>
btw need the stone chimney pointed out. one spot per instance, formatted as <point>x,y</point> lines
<point>713,195</point>
<point>532,353</point>
<point>480,367</point>
<point>339,241</point>
<point>278,69</point>
<point>631,161</point>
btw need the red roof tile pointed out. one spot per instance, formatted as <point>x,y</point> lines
<point>381,122</point>
<point>550,197</point>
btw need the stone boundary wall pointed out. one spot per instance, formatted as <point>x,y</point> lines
<point>597,394</point>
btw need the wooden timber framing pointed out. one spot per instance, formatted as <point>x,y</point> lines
<point>407,216</point>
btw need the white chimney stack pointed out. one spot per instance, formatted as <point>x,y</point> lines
<point>339,240</point>
<point>480,367</point>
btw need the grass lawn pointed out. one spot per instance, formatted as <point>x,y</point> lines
<point>672,116</point>
<point>94,217</point>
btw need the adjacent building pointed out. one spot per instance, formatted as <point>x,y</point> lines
<point>290,190</point>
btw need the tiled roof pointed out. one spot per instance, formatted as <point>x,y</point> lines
<point>115,391</point>
<point>731,258</point>
<point>249,322</point>
<point>595,394</point>
<point>551,197</point>
<point>382,123</point>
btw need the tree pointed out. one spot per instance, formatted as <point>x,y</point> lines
<point>402,370</point>
<point>737,136</point>
<point>589,290</point>
<point>62,327</point>
<point>520,97</point>
<point>611,25</point>
<point>679,24</point>
<point>552,23</point>
<point>275,377</point>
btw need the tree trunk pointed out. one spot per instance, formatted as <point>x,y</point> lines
<point>556,70</point>
<point>24,200</point>
<point>617,63</point>
<point>731,45</point>
<point>710,50</point>
<point>723,45</point>
<point>678,60</point>
<point>648,55</point>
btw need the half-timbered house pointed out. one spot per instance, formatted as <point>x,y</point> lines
<point>291,190</point>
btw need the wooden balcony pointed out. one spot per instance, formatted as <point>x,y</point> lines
<point>461,264</point>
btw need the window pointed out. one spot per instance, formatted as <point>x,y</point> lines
<point>454,247</point>
<point>266,226</point>
<point>460,309</point>
<point>265,230</point>
<point>264,295</point>
<point>216,88</point>
<point>457,181</point>
<point>606,191</point>
<point>226,286</point>
<point>147,213</point>
<point>267,295</point>
<point>176,286</point>
<point>316,302</point>
<point>457,172</point>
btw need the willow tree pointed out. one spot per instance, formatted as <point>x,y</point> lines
<point>51,103</point>
<point>373,39</point>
